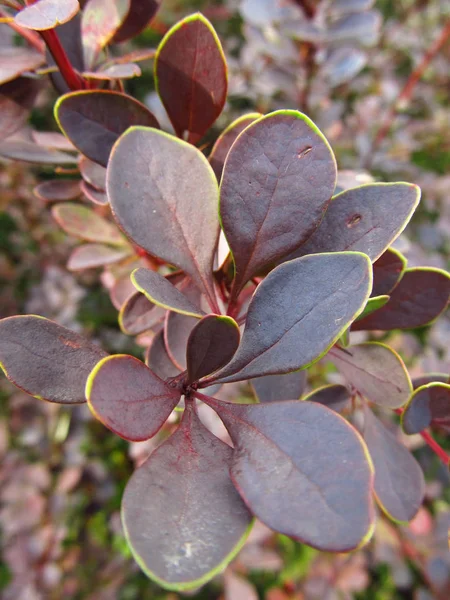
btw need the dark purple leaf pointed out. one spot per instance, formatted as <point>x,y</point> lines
<point>157,359</point>
<point>93,120</point>
<point>53,140</point>
<point>93,173</point>
<point>399,482</point>
<point>140,14</point>
<point>30,152</point>
<point>420,297</point>
<point>82,222</point>
<point>211,345</point>
<point>47,14</point>
<point>302,470</point>
<point>138,314</point>
<point>16,100</point>
<point>100,21</point>
<point>277,181</point>
<point>90,256</point>
<point>177,330</point>
<point>160,291</point>
<point>366,219</point>
<point>387,271</point>
<point>279,387</point>
<point>226,139</point>
<point>156,184</point>
<point>334,396</point>
<point>430,378</point>
<point>57,190</point>
<point>95,196</point>
<point>182,516</point>
<point>191,76</point>
<point>122,71</point>
<point>128,398</point>
<point>428,405</point>
<point>15,60</point>
<point>373,304</point>
<point>298,312</point>
<point>46,360</point>
<point>376,371</point>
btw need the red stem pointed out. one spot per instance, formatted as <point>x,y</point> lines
<point>440,452</point>
<point>30,36</point>
<point>73,80</point>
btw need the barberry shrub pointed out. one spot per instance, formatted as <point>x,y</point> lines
<point>304,267</point>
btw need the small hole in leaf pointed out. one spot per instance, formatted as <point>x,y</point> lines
<point>353,220</point>
<point>304,152</point>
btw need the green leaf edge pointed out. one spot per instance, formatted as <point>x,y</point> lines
<point>251,115</point>
<point>188,585</point>
<point>123,329</point>
<point>70,95</point>
<point>308,396</point>
<point>198,16</point>
<point>404,262</point>
<point>373,304</point>
<point>414,394</point>
<point>290,112</point>
<point>418,192</point>
<point>198,315</point>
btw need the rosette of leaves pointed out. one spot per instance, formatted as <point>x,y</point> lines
<point>301,268</point>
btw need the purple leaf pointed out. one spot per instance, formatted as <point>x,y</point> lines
<point>191,76</point>
<point>226,139</point>
<point>138,314</point>
<point>46,360</point>
<point>420,297</point>
<point>302,470</point>
<point>95,196</point>
<point>160,291</point>
<point>177,330</point>
<point>93,120</point>
<point>157,359</point>
<point>298,312</point>
<point>182,516</point>
<point>373,304</point>
<point>33,153</point>
<point>82,222</point>
<point>155,185</point>
<point>430,378</point>
<point>399,482</point>
<point>365,219</point>
<point>47,14</point>
<point>57,190</point>
<point>16,101</point>
<point>128,398</point>
<point>69,35</point>
<point>376,371</point>
<point>140,14</point>
<point>113,72</point>
<point>387,272</point>
<point>334,396</point>
<point>15,61</point>
<point>279,387</point>
<point>90,256</point>
<point>277,181</point>
<point>211,345</point>
<point>428,405</point>
<point>93,173</point>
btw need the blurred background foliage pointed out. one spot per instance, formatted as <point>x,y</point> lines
<point>63,474</point>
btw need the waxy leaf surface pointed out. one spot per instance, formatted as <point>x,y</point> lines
<point>84,223</point>
<point>157,359</point>
<point>160,291</point>
<point>399,482</point>
<point>191,76</point>
<point>164,195</point>
<point>93,173</point>
<point>334,396</point>
<point>128,398</point>
<point>226,139</point>
<point>58,189</point>
<point>15,61</point>
<point>46,360</point>
<point>99,22</point>
<point>277,181</point>
<point>211,345</point>
<point>420,297</point>
<point>298,312</point>
<point>94,120</point>
<point>182,516</point>
<point>33,153</point>
<point>430,378</point>
<point>95,196</point>
<point>138,314</point>
<point>387,271</point>
<point>302,470</point>
<point>280,387</point>
<point>177,329</point>
<point>376,371</point>
<point>16,100</point>
<point>47,14</point>
<point>90,256</point>
<point>137,19</point>
<point>428,405</point>
<point>365,219</point>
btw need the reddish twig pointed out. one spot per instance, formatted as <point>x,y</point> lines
<point>440,452</point>
<point>71,77</point>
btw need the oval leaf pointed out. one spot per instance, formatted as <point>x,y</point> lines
<point>128,398</point>
<point>16,100</point>
<point>138,314</point>
<point>376,371</point>
<point>156,184</point>
<point>183,518</point>
<point>372,305</point>
<point>365,219</point>
<point>58,189</point>
<point>140,14</point>
<point>279,387</point>
<point>84,223</point>
<point>160,291</point>
<point>420,297</point>
<point>387,272</point>
<point>90,256</point>
<point>46,360</point>
<point>47,14</point>
<point>33,153</point>
<point>157,359</point>
<point>277,181</point>
<point>399,482</point>
<point>211,345</point>
<point>334,396</point>
<point>191,76</point>
<point>15,60</point>
<point>428,405</point>
<point>99,22</point>
<point>302,470</point>
<point>94,120</point>
<point>298,312</point>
